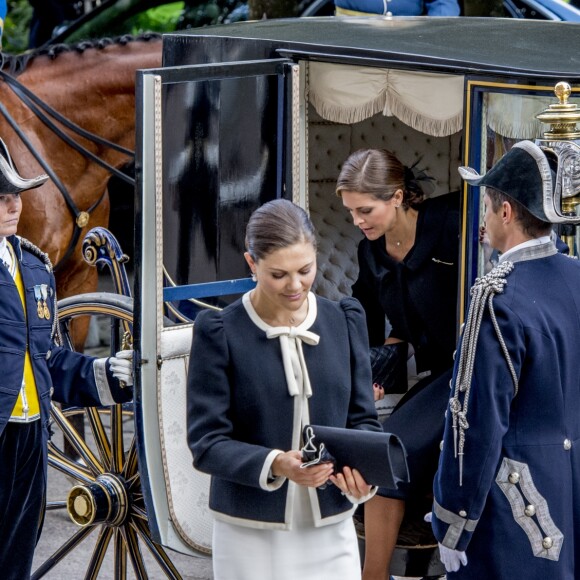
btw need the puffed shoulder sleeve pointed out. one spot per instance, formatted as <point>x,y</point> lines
<point>208,388</point>
<point>210,415</point>
<point>362,411</point>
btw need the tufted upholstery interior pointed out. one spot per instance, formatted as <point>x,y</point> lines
<point>330,144</point>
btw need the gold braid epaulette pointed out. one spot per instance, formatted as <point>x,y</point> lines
<point>482,293</point>
<point>43,256</point>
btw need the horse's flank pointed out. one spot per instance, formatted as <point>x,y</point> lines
<point>93,85</point>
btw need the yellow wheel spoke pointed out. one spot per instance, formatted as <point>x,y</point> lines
<point>99,433</point>
<point>130,468</point>
<point>139,513</point>
<point>63,551</point>
<point>76,440</point>
<point>134,551</point>
<point>99,553</point>
<point>117,447</point>
<point>64,464</point>
<point>120,570</point>
<point>156,550</point>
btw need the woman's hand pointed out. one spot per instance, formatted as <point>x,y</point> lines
<point>288,465</point>
<point>351,483</point>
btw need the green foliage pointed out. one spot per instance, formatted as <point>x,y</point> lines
<point>16,27</point>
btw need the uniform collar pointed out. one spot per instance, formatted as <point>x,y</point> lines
<point>530,250</point>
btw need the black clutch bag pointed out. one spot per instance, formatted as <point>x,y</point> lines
<point>389,367</point>
<point>379,457</point>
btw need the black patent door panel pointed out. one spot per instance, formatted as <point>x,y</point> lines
<point>224,154</point>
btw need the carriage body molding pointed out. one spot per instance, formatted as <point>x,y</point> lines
<point>244,113</point>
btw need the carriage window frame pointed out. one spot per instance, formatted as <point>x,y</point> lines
<point>474,155</point>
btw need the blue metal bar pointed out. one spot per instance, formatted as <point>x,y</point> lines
<point>239,286</point>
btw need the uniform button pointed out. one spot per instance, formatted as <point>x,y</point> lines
<point>48,355</point>
<point>567,444</point>
<point>441,445</point>
<point>454,353</point>
<point>547,543</point>
<point>463,513</point>
<point>514,477</point>
<point>530,510</point>
<point>51,391</point>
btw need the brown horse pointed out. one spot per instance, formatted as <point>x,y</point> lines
<point>93,85</point>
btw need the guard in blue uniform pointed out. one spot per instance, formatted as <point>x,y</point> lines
<point>35,368</point>
<point>506,492</point>
<point>396,7</point>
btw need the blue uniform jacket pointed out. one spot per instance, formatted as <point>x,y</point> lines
<point>239,408</point>
<point>66,376</point>
<point>402,7</point>
<point>517,513</point>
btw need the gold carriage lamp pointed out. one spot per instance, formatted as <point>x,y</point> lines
<point>561,144</point>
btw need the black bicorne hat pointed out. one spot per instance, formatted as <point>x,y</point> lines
<point>10,180</point>
<point>523,174</point>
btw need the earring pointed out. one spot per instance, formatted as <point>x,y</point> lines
<point>254,279</point>
<point>398,206</point>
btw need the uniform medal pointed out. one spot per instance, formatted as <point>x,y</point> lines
<point>38,298</point>
<point>45,310</point>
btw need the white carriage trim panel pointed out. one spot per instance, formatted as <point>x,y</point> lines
<point>187,488</point>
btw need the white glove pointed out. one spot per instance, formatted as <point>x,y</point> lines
<point>452,559</point>
<point>122,366</point>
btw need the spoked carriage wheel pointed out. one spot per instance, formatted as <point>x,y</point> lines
<point>105,499</point>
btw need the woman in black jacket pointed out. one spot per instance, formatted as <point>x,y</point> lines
<point>407,285</point>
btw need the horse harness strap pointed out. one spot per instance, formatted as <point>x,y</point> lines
<point>80,216</point>
<point>35,104</point>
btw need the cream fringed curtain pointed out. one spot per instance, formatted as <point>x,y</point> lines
<point>514,116</point>
<point>430,103</point>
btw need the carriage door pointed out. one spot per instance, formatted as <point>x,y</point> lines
<point>213,143</point>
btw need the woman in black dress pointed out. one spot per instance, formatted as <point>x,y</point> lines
<point>407,285</point>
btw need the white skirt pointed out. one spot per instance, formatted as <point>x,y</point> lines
<point>303,553</point>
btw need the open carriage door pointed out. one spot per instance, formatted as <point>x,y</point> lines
<point>213,143</point>
<point>498,114</point>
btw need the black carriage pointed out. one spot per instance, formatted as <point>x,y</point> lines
<point>249,112</point>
